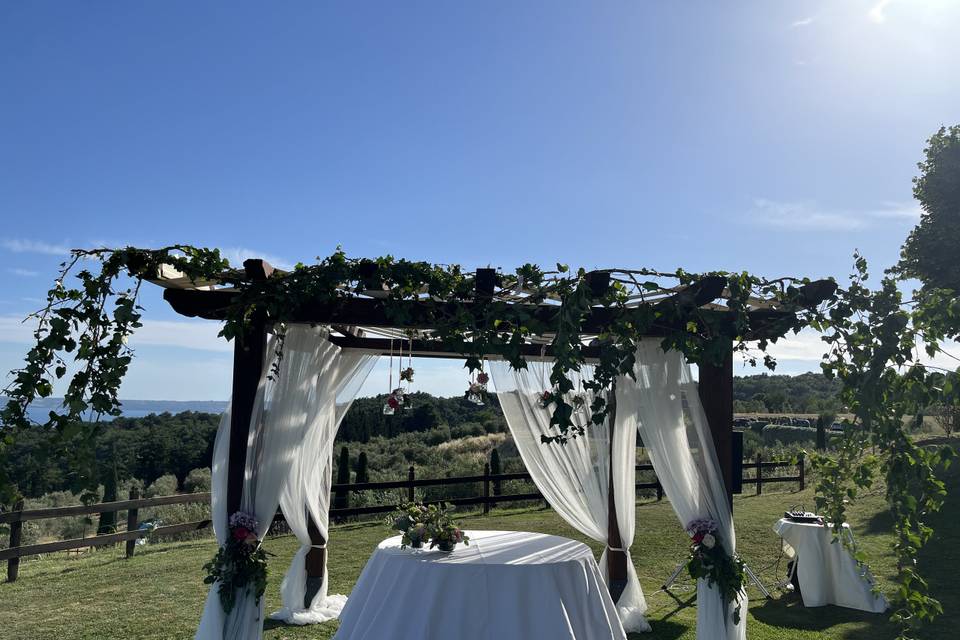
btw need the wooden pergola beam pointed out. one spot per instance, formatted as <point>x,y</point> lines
<point>427,314</point>
<point>437,349</point>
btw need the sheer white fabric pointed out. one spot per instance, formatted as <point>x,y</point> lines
<point>664,405</point>
<point>331,379</point>
<point>284,414</point>
<point>574,478</point>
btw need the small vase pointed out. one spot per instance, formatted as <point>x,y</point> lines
<point>446,545</point>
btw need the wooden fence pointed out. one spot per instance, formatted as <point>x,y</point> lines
<point>488,499</point>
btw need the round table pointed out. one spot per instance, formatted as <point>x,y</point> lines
<point>828,573</point>
<point>504,585</point>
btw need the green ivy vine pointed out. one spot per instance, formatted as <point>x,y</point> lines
<point>871,338</point>
<point>873,350</point>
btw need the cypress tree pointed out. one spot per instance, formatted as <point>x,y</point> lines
<point>341,499</point>
<point>108,519</point>
<point>821,434</point>
<point>362,475</point>
<point>495,469</point>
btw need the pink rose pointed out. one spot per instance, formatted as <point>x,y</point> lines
<point>240,534</point>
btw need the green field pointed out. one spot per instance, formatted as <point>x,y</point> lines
<point>159,593</point>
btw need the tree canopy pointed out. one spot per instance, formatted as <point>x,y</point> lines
<point>931,252</point>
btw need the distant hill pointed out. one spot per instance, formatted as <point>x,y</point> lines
<point>763,393</point>
<point>804,393</point>
<point>133,408</point>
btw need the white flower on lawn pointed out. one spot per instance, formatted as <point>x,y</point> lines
<point>709,541</point>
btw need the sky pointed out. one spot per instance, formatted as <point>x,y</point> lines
<point>773,137</point>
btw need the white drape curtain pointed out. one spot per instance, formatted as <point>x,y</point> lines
<point>291,405</point>
<point>574,478</point>
<point>332,381</point>
<point>664,405</point>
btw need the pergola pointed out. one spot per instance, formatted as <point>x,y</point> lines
<point>362,322</point>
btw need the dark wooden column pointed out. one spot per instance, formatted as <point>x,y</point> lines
<point>616,560</point>
<point>248,361</point>
<point>716,395</point>
<point>315,561</point>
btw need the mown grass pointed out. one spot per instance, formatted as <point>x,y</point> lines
<point>159,593</point>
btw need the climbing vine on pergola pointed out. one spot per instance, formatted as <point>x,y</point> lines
<point>574,317</point>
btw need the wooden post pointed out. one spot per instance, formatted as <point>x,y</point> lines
<point>801,467</point>
<point>16,539</point>
<point>132,522</point>
<point>759,475</point>
<point>315,562</point>
<point>616,560</point>
<point>411,476</point>
<point>249,351</point>
<point>486,488</point>
<point>716,394</point>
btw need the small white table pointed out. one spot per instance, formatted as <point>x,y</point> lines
<point>828,573</point>
<point>506,585</point>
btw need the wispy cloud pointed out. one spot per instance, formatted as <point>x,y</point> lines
<point>878,12</point>
<point>23,273</point>
<point>802,216</point>
<point>805,22</point>
<point>201,336</point>
<point>808,216</point>
<point>898,210</point>
<point>806,349</point>
<point>236,256</point>
<point>19,245</point>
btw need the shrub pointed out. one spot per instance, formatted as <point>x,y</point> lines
<point>198,481</point>
<point>774,434</point>
<point>162,486</point>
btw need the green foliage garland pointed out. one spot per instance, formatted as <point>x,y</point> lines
<point>870,337</point>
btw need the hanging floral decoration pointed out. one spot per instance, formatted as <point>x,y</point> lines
<point>546,399</point>
<point>398,399</point>
<point>406,375</point>
<point>240,564</point>
<point>710,561</point>
<point>477,388</point>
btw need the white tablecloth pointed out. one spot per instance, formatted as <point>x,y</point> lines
<point>506,585</point>
<point>828,573</point>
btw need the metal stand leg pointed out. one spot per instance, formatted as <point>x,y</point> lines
<point>750,574</point>
<point>673,576</point>
<point>746,569</point>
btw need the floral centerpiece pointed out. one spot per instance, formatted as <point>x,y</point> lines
<point>240,563</point>
<point>445,534</point>
<point>411,520</point>
<point>709,560</point>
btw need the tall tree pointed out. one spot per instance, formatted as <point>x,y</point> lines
<point>341,499</point>
<point>362,473</point>
<point>496,469</point>
<point>930,252</point>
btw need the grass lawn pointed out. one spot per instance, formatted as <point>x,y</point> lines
<point>159,593</point>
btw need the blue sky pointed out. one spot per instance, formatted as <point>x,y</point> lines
<point>769,136</point>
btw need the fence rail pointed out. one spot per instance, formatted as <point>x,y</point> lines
<point>490,497</point>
